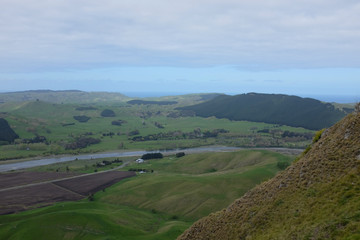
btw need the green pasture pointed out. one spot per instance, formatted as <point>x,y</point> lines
<point>90,220</point>
<point>195,185</point>
<point>158,205</point>
<point>51,120</point>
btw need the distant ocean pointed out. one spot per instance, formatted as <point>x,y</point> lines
<point>335,98</point>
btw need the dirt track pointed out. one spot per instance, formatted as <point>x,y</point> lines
<point>22,191</point>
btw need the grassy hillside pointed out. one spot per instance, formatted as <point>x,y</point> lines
<point>271,108</point>
<point>315,198</point>
<point>195,185</point>
<point>158,205</point>
<point>90,220</point>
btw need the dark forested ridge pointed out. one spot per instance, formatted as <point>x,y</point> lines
<point>6,133</point>
<point>270,108</point>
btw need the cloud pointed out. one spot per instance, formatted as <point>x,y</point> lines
<point>38,35</point>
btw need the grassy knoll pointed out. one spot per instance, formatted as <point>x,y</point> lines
<point>158,205</point>
<point>90,220</point>
<point>195,185</point>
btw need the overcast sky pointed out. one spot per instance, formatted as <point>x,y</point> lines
<point>299,47</point>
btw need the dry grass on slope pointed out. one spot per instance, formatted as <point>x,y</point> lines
<point>315,198</point>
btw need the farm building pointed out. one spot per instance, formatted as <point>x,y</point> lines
<point>140,160</point>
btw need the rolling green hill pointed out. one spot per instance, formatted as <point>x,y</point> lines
<point>158,205</point>
<point>317,197</point>
<point>195,185</point>
<point>271,108</point>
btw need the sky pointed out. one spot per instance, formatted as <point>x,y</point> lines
<point>299,47</point>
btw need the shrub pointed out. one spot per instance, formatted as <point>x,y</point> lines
<point>82,142</point>
<point>282,165</point>
<point>118,122</point>
<point>91,197</point>
<point>81,118</point>
<point>108,113</point>
<point>180,154</point>
<point>317,135</point>
<point>132,133</point>
<point>85,108</point>
<point>152,156</point>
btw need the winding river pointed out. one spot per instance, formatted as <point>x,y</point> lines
<point>46,161</point>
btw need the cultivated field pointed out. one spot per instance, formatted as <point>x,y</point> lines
<point>26,190</point>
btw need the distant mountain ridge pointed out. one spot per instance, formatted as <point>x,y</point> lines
<point>315,198</point>
<point>64,96</point>
<point>271,108</point>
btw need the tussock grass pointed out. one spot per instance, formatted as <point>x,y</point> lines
<point>315,198</point>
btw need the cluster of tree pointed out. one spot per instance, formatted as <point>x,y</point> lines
<point>36,139</point>
<point>158,125</point>
<point>270,108</point>
<point>197,133</point>
<point>67,124</point>
<point>118,122</point>
<point>85,108</point>
<point>183,113</point>
<point>7,134</point>
<point>213,133</point>
<point>108,113</point>
<point>289,135</point>
<point>82,142</point>
<point>282,165</point>
<point>143,102</point>
<point>82,118</point>
<point>109,134</point>
<point>133,133</point>
<point>180,154</point>
<point>148,114</point>
<point>107,163</point>
<point>307,135</point>
<point>147,156</point>
<point>141,170</point>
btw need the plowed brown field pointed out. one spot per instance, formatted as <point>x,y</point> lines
<point>36,189</point>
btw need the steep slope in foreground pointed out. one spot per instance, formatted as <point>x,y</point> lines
<point>270,108</point>
<point>318,197</point>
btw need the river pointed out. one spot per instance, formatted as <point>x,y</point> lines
<point>46,161</point>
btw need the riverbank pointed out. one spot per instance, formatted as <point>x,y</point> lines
<point>19,164</point>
